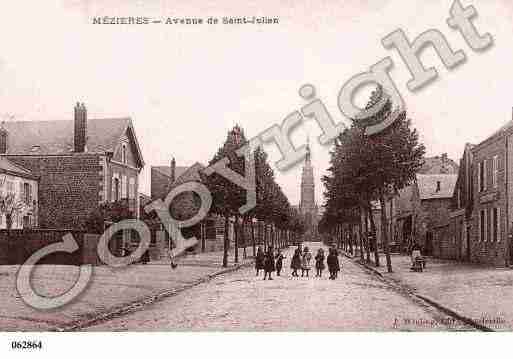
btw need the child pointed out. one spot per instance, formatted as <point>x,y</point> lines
<point>295,264</point>
<point>269,266</point>
<point>319,262</point>
<point>279,262</point>
<point>259,260</point>
<point>333,264</point>
<point>305,263</point>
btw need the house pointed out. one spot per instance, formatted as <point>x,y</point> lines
<point>460,221</point>
<point>432,198</point>
<point>18,196</point>
<point>402,225</point>
<point>80,164</point>
<point>185,205</point>
<point>492,183</point>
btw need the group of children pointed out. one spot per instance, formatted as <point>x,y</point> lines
<point>270,262</point>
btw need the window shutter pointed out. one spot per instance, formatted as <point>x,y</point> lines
<point>479,177</point>
<point>498,224</point>
<point>479,226</point>
<point>484,175</point>
<point>113,189</point>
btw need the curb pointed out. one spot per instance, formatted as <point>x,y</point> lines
<point>140,303</point>
<point>453,314</point>
<point>426,299</point>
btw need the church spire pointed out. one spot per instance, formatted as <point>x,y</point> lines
<point>307,159</point>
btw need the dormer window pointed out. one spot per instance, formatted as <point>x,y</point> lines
<point>123,153</point>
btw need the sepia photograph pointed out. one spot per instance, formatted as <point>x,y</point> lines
<point>261,169</point>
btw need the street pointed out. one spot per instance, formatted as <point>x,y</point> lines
<point>240,301</point>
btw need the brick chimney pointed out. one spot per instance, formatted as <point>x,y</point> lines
<point>173,171</point>
<point>3,139</point>
<point>80,128</point>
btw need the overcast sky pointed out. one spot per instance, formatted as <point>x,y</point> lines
<point>185,86</point>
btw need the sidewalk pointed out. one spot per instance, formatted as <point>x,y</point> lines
<point>110,289</point>
<point>481,293</point>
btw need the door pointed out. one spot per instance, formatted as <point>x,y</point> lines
<point>468,243</point>
<point>429,244</point>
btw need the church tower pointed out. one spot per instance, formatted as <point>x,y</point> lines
<point>307,205</point>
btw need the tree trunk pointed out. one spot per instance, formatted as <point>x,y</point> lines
<point>226,243</point>
<point>243,236</point>
<point>253,237</point>
<point>374,237</point>
<point>265,236</point>
<point>385,233</point>
<point>366,228</point>
<point>204,236</point>
<point>273,236</point>
<point>363,233</point>
<point>236,238</point>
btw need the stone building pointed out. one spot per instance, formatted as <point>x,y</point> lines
<point>308,208</point>
<point>456,242</point>
<point>432,198</point>
<point>80,164</point>
<point>210,231</point>
<point>403,209</point>
<point>492,182</point>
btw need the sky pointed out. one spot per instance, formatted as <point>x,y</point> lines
<point>185,86</point>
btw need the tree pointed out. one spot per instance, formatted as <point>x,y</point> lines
<point>227,197</point>
<point>372,167</point>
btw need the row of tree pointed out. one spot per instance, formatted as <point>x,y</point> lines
<point>281,223</point>
<point>367,170</point>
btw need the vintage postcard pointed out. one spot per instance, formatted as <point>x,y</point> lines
<point>262,166</point>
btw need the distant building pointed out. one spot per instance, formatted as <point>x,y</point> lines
<point>456,243</point>
<point>80,164</point>
<point>403,209</point>
<point>307,206</point>
<point>432,198</point>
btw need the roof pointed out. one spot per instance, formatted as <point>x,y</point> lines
<point>166,170</point>
<point>8,167</point>
<point>190,174</point>
<point>182,173</point>
<point>56,137</point>
<point>438,165</point>
<point>427,185</point>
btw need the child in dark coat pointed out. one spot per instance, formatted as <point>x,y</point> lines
<point>295,264</point>
<point>259,260</point>
<point>279,262</point>
<point>333,263</point>
<point>269,265</point>
<point>319,262</point>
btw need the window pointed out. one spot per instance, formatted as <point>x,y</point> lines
<point>495,170</point>
<point>131,188</point>
<point>482,227</point>
<point>116,189</point>
<point>438,186</point>
<point>10,187</point>
<point>27,193</point>
<point>123,153</point>
<point>124,185</point>
<point>495,225</point>
<point>482,176</point>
